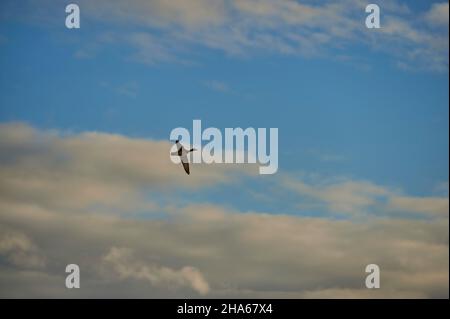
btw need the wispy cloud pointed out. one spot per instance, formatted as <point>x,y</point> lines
<point>326,156</point>
<point>217,86</point>
<point>359,198</point>
<point>438,14</point>
<point>172,31</point>
<point>438,206</point>
<point>168,31</point>
<point>129,89</point>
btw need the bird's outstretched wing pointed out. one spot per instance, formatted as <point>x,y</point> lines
<point>186,167</point>
<point>185,162</point>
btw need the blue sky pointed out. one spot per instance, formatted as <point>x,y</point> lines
<point>362,114</point>
<point>376,121</point>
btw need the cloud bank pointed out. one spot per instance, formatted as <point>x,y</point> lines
<point>94,199</point>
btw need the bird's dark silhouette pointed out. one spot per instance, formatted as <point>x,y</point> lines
<point>182,153</point>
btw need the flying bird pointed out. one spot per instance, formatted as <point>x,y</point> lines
<point>182,153</point>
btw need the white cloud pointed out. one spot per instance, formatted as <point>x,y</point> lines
<point>438,14</point>
<point>150,49</point>
<point>218,86</point>
<point>159,31</point>
<point>191,14</point>
<point>432,205</point>
<point>169,30</point>
<point>442,188</point>
<point>18,249</point>
<point>358,197</point>
<point>100,171</point>
<point>112,173</point>
<point>352,197</point>
<point>247,254</point>
<point>125,265</point>
<point>129,89</point>
<point>69,198</point>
